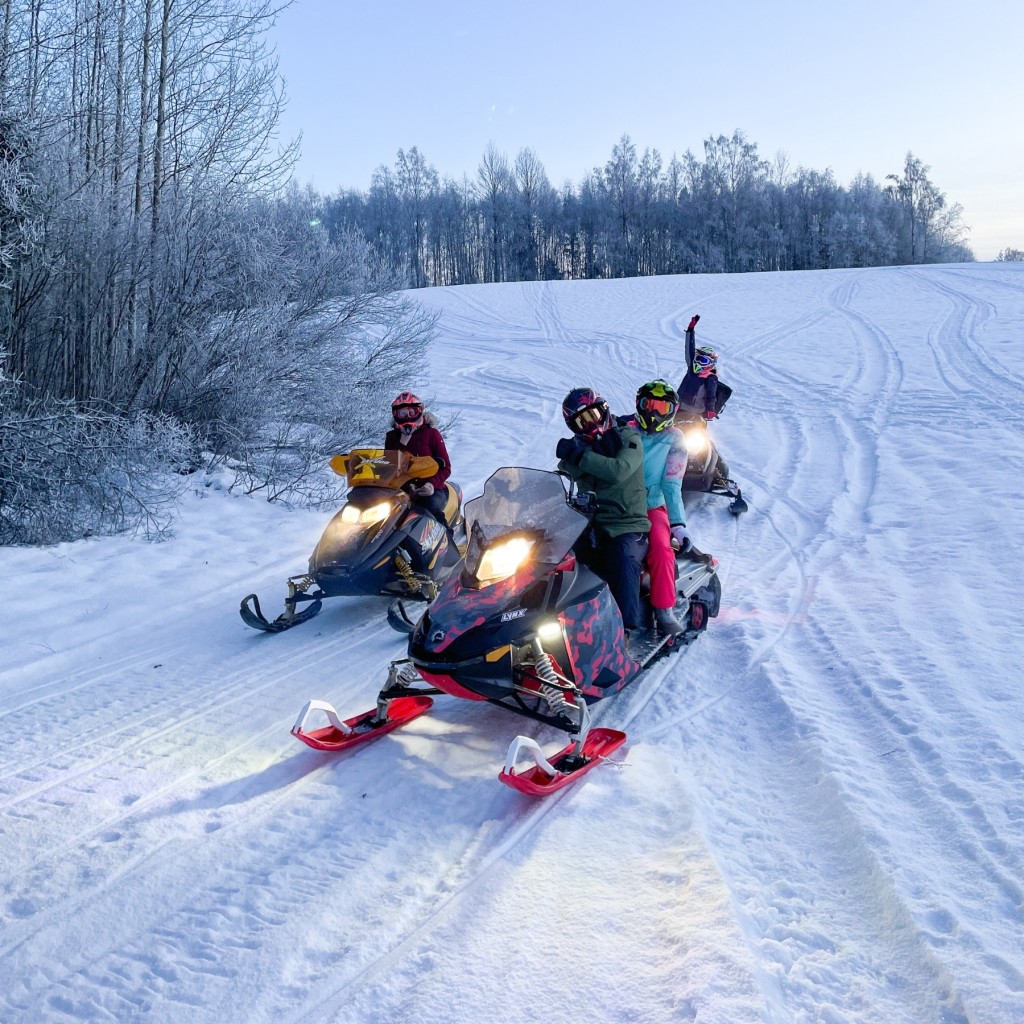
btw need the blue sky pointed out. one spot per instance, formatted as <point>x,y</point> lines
<point>852,87</point>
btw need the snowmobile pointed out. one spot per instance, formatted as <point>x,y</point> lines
<point>706,470</point>
<point>528,628</point>
<point>378,543</point>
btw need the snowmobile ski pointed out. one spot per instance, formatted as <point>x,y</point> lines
<point>399,619</point>
<point>340,735</point>
<point>567,766</point>
<point>253,616</point>
<point>738,506</point>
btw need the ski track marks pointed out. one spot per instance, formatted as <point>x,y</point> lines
<point>788,818</point>
<point>209,867</point>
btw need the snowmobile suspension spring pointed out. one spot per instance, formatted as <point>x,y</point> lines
<point>545,670</point>
<point>556,698</point>
<point>551,688</point>
<point>299,584</point>
<point>408,576</point>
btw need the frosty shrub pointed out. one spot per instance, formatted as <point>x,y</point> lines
<point>322,388</point>
<point>304,364</point>
<point>67,473</point>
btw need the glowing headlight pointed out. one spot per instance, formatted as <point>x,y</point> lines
<point>549,630</point>
<point>696,441</point>
<point>503,560</point>
<point>373,514</point>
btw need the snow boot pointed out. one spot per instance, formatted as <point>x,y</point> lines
<point>667,623</point>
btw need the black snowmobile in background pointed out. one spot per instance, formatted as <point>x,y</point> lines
<point>528,628</point>
<point>706,470</point>
<point>378,543</point>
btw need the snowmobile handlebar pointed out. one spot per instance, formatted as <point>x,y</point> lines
<point>587,502</point>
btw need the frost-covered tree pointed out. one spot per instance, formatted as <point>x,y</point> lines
<point>919,203</point>
<point>494,192</point>
<point>152,269</point>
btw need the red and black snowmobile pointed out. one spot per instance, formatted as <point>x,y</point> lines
<point>378,543</point>
<point>527,627</point>
<point>706,470</point>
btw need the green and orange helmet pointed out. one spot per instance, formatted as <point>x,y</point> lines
<point>656,404</point>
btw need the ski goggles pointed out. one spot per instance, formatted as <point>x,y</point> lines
<point>592,415</point>
<point>657,406</point>
<point>407,413</point>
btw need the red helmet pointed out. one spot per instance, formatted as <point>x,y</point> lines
<point>407,412</point>
<point>586,412</point>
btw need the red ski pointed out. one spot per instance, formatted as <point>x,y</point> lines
<point>565,767</point>
<point>342,734</point>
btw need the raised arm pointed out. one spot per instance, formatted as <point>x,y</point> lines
<point>691,341</point>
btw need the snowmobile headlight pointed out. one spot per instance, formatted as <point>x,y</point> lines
<point>504,559</point>
<point>549,630</point>
<point>696,441</point>
<point>374,514</point>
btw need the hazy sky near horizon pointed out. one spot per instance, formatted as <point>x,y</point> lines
<point>851,87</point>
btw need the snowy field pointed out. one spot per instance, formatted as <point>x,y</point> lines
<point>819,816</point>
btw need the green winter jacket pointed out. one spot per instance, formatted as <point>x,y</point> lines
<point>613,468</point>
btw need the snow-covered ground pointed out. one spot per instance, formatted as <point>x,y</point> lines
<point>819,816</point>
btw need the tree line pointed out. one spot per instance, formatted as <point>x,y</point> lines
<point>729,212</point>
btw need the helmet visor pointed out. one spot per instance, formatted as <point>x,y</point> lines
<point>407,413</point>
<point>657,406</point>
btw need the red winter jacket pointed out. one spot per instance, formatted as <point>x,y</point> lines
<point>427,440</point>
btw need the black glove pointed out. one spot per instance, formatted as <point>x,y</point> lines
<point>571,449</point>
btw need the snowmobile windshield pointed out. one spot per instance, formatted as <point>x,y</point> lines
<point>375,467</point>
<point>526,503</point>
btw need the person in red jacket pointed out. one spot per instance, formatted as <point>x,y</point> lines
<point>414,432</point>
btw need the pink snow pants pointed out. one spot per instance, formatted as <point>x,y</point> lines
<point>661,559</point>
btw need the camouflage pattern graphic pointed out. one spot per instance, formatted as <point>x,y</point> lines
<point>458,609</point>
<point>597,646</point>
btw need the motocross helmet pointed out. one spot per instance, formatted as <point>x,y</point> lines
<point>705,361</point>
<point>586,412</point>
<point>407,412</point>
<point>656,404</point>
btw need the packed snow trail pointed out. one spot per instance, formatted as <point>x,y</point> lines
<point>818,815</point>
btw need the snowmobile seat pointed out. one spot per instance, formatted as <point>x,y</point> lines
<point>722,396</point>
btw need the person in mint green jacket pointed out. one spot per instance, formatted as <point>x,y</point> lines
<point>664,469</point>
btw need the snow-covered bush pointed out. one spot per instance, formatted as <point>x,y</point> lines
<point>66,473</point>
